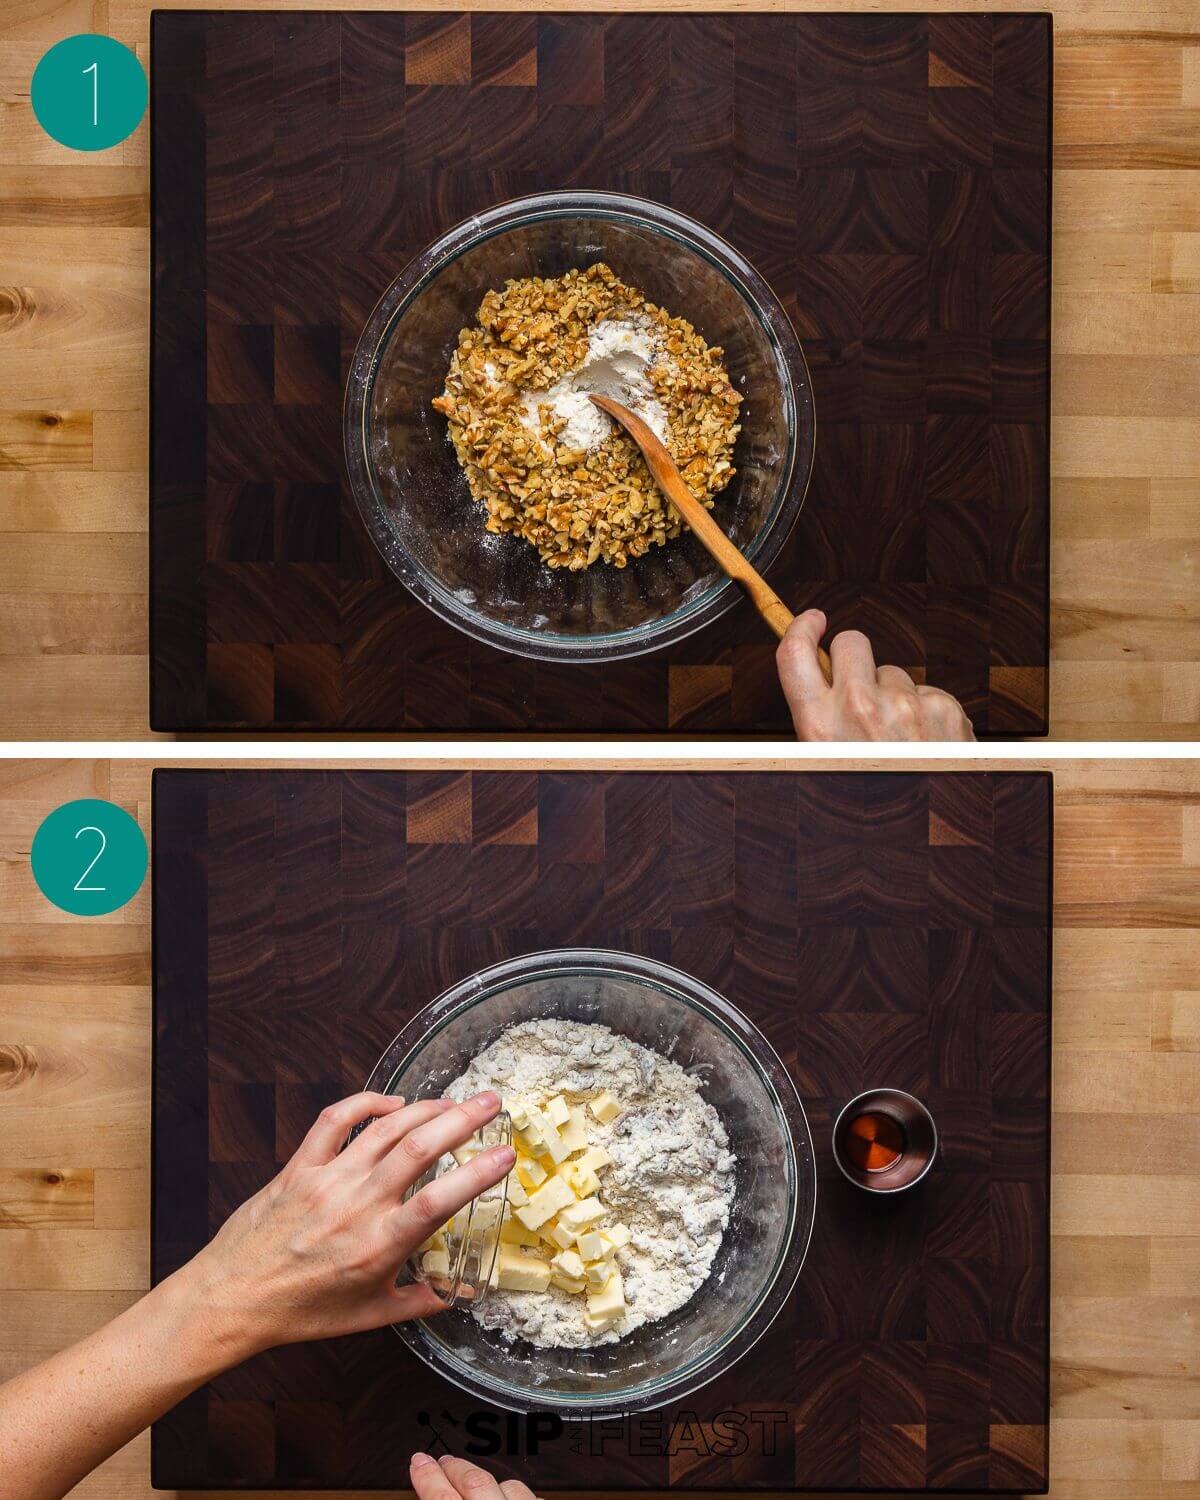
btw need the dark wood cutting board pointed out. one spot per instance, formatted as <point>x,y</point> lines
<point>881,929</point>
<point>888,174</point>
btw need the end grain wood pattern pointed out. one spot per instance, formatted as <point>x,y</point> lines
<point>888,174</point>
<point>902,939</point>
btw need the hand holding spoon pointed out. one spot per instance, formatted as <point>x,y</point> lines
<point>723,552</point>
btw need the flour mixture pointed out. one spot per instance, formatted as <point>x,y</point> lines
<point>622,1189</point>
<point>549,466</point>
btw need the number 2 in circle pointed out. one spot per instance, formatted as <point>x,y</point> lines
<point>94,70</point>
<point>79,885</point>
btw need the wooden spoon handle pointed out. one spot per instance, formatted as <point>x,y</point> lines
<point>729,557</point>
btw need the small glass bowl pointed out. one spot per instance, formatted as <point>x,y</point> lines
<point>473,1236</point>
<point>774,1199</point>
<point>411,491</point>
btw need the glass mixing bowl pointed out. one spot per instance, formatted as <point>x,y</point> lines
<point>412,493</point>
<point>774,1190</point>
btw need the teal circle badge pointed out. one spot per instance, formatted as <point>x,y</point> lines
<point>89,857</point>
<point>89,92</point>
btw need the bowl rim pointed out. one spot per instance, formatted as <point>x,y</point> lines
<point>696,1372</point>
<point>795,381</point>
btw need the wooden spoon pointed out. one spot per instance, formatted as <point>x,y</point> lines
<point>668,478</point>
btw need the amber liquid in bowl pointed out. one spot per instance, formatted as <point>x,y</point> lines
<point>874,1142</point>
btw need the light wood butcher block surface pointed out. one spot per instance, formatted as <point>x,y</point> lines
<point>1125,455</point>
<point>75,1112</point>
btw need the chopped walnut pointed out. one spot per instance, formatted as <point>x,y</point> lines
<point>577,506</point>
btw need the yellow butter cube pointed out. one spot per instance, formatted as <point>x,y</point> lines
<point>607,1305</point>
<point>604,1107</point>
<point>517,1195</point>
<point>583,1180</point>
<point>436,1263</point>
<point>546,1202</point>
<point>519,1272</point>
<point>556,1148</point>
<point>617,1235</point>
<point>531,1172</point>
<point>597,1273</point>
<point>558,1111</point>
<point>568,1263</point>
<point>574,1132</point>
<point>593,1246</point>
<point>487,1212</point>
<point>514,1233</point>
<point>569,1283</point>
<point>517,1112</point>
<point>596,1158</point>
<point>562,1237</point>
<point>579,1215</point>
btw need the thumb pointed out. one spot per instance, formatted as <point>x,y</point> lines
<point>409,1301</point>
<point>800,673</point>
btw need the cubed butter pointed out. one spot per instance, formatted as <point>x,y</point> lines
<point>617,1235</point>
<point>528,1140</point>
<point>607,1305</point>
<point>583,1180</point>
<point>514,1233</point>
<point>579,1215</point>
<point>595,1157</point>
<point>569,1283</point>
<point>487,1212</point>
<point>554,1194</point>
<point>574,1132</point>
<point>604,1107</point>
<point>568,1263</point>
<point>518,1113</point>
<point>519,1272</point>
<point>517,1195</point>
<point>558,1110</point>
<point>555,1146</point>
<point>436,1263</point>
<point>562,1237</point>
<point>592,1245</point>
<point>530,1171</point>
<point>598,1273</point>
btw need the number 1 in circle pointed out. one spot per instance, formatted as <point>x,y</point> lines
<point>94,70</point>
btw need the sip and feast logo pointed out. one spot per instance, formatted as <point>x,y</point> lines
<point>487,1434</point>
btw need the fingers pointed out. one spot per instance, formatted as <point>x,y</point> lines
<point>452,1479</point>
<point>852,658</point>
<point>336,1121</point>
<point>800,673</point>
<point>513,1489</point>
<point>374,1143</point>
<point>420,1148</point>
<point>469,1480</point>
<point>441,1199</point>
<point>895,678</point>
<point>409,1302</point>
<point>944,716</point>
<point>428,1479</point>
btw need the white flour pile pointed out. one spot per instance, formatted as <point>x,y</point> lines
<point>620,352</point>
<point>670,1181</point>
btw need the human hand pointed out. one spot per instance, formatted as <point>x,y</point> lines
<point>866,702</point>
<point>450,1478</point>
<point>316,1252</point>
